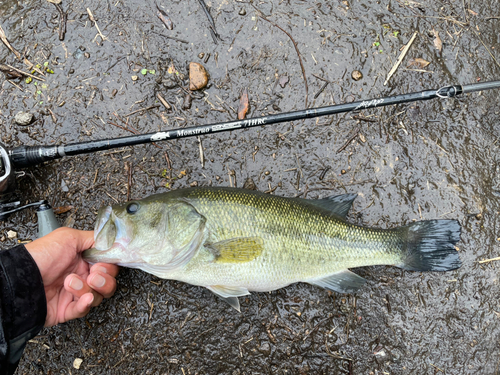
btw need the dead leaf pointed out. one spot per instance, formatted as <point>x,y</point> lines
<point>419,62</point>
<point>437,41</point>
<point>165,19</point>
<point>62,209</point>
<point>244,106</point>
<point>283,80</point>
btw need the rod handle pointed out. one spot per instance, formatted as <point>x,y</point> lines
<point>28,156</point>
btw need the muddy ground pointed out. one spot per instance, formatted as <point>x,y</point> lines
<point>427,160</point>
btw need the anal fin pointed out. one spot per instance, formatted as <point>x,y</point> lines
<point>342,282</point>
<point>229,294</point>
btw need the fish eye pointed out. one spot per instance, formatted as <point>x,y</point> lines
<point>132,208</point>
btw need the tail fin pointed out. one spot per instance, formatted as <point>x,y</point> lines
<point>431,245</point>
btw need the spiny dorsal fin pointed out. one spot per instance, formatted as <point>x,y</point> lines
<point>237,250</point>
<point>338,204</point>
<point>342,282</point>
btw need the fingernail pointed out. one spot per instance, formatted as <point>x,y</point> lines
<point>101,269</point>
<point>75,283</point>
<point>98,281</point>
<point>91,301</point>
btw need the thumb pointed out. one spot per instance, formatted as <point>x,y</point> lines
<point>84,239</point>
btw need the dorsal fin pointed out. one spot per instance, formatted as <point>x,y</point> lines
<point>338,204</point>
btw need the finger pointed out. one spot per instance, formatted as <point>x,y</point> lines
<point>110,269</point>
<point>102,283</point>
<point>79,308</point>
<point>79,287</point>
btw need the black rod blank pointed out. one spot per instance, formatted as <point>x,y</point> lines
<point>25,156</point>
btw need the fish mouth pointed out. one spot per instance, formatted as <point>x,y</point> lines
<point>110,239</point>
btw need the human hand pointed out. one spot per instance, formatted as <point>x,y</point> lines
<point>72,287</point>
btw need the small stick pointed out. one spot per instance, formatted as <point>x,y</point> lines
<point>164,102</point>
<point>362,118</point>
<point>351,138</point>
<point>401,57</point>
<point>3,37</point>
<point>202,155</point>
<point>170,37</point>
<point>91,16</point>
<point>26,74</point>
<point>12,83</point>
<point>213,31</point>
<point>62,21</point>
<point>142,109</point>
<point>261,15</point>
<point>489,260</point>
<point>54,118</point>
<point>320,90</point>
<point>320,78</point>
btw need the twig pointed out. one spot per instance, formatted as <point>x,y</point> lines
<point>26,74</point>
<point>3,37</point>
<point>202,155</point>
<point>321,78</point>
<point>320,90</point>
<point>170,37</point>
<point>12,83</point>
<point>91,16</point>
<point>401,57</point>
<point>142,109</point>
<point>489,260</point>
<point>213,31</point>
<point>351,138</point>
<point>164,102</point>
<point>62,21</point>
<point>487,49</point>
<point>261,15</point>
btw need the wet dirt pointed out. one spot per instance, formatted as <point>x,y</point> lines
<point>426,160</point>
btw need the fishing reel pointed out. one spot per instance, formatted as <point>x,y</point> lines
<point>47,221</point>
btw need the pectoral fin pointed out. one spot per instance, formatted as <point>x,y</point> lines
<point>237,250</point>
<point>229,294</point>
<point>341,282</point>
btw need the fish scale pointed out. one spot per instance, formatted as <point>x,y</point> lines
<point>234,241</point>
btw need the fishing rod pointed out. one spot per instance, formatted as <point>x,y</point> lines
<point>27,156</point>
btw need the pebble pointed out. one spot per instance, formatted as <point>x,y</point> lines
<point>265,348</point>
<point>23,118</point>
<point>356,75</point>
<point>11,234</point>
<point>135,78</point>
<point>77,363</point>
<point>198,76</point>
<point>242,12</point>
<point>201,55</point>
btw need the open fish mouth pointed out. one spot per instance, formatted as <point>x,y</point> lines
<point>110,239</point>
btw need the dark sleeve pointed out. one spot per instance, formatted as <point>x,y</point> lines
<point>23,307</point>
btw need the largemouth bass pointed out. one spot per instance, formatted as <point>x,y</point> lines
<point>235,241</point>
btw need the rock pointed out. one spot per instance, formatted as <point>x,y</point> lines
<point>356,75</point>
<point>135,78</point>
<point>265,348</point>
<point>11,234</point>
<point>23,118</point>
<point>242,12</point>
<point>77,363</point>
<point>198,76</point>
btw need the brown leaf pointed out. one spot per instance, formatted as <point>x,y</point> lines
<point>62,209</point>
<point>283,81</point>
<point>419,62</point>
<point>437,41</point>
<point>198,76</point>
<point>165,19</point>
<point>244,106</point>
